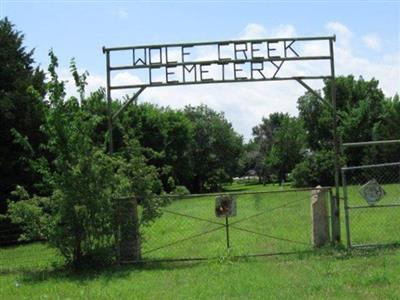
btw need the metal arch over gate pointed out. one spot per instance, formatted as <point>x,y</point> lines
<point>226,61</point>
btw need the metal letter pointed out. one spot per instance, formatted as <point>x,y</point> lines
<point>241,50</point>
<point>159,55</point>
<point>166,58</point>
<point>253,69</point>
<point>236,70</point>
<point>219,53</point>
<point>223,70</point>
<point>184,53</point>
<point>255,50</point>
<point>184,67</point>
<point>271,49</point>
<point>289,47</point>
<point>169,73</point>
<point>204,71</point>
<point>150,77</point>
<point>278,67</point>
<point>136,61</point>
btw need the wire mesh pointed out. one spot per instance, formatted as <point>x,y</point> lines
<point>372,204</point>
<point>265,223</point>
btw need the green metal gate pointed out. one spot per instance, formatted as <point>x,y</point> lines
<point>372,204</point>
<point>265,223</point>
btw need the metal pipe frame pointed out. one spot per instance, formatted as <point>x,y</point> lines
<point>371,166</point>
<point>359,144</point>
<point>336,138</point>
<point>373,206</point>
<point>134,86</point>
<point>336,145</point>
<point>346,209</point>
<point>316,38</point>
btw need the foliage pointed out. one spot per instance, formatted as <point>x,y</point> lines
<point>180,190</point>
<point>387,128</point>
<point>214,150</point>
<point>20,111</point>
<point>364,115</point>
<point>315,169</point>
<point>165,135</point>
<point>196,148</point>
<point>288,147</point>
<point>79,216</point>
<point>280,143</point>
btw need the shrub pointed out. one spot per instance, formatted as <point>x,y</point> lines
<point>79,216</point>
<point>180,190</point>
<point>316,169</point>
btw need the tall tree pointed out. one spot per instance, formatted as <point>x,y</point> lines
<point>166,136</point>
<point>360,106</point>
<point>281,143</point>
<point>388,128</point>
<point>215,150</point>
<point>288,147</point>
<point>20,110</point>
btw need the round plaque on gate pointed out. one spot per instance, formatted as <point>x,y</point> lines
<point>372,192</point>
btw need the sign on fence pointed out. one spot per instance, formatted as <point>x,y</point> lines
<point>225,206</point>
<point>372,192</point>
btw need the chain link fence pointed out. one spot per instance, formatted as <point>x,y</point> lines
<point>372,204</point>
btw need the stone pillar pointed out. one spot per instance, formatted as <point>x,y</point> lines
<point>129,239</point>
<point>320,218</point>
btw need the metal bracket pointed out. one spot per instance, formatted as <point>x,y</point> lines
<point>134,97</point>
<point>308,88</point>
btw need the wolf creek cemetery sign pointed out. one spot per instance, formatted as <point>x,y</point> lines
<point>213,62</point>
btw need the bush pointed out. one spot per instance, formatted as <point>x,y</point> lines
<point>316,169</point>
<point>78,217</point>
<point>180,190</point>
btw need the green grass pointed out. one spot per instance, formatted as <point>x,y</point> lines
<point>35,271</point>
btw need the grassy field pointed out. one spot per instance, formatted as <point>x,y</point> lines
<point>35,271</point>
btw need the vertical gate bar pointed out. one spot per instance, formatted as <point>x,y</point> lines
<point>336,141</point>
<point>332,213</point>
<point>227,232</point>
<point>109,104</point>
<point>346,209</point>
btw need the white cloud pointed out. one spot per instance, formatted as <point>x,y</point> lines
<point>121,13</point>
<point>253,31</point>
<point>283,31</point>
<point>372,41</point>
<point>343,34</point>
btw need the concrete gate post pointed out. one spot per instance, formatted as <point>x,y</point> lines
<point>129,240</point>
<point>320,218</point>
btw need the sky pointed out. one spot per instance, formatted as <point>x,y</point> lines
<point>368,43</point>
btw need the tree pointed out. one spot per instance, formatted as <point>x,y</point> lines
<point>215,149</point>
<point>315,169</point>
<point>281,144</point>
<point>21,111</point>
<point>79,217</point>
<point>288,147</point>
<point>360,107</point>
<point>388,128</point>
<point>166,136</point>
